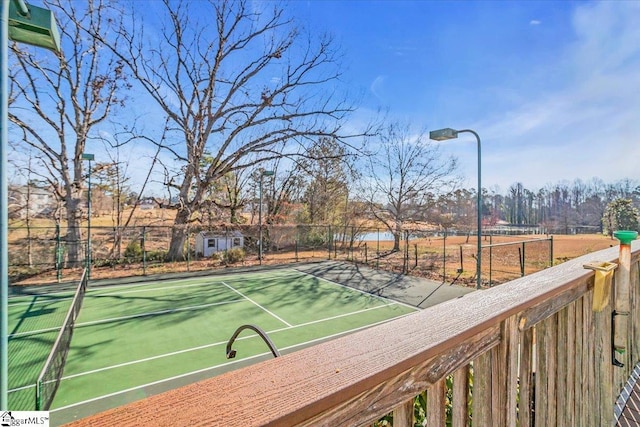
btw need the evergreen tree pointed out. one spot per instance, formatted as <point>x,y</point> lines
<point>620,214</point>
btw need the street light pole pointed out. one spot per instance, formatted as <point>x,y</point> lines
<point>448,133</point>
<point>263,173</point>
<point>90,158</point>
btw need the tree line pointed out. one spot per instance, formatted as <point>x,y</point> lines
<point>237,105</point>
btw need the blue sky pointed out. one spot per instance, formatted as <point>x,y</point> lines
<point>552,87</point>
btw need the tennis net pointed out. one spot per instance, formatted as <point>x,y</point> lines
<point>51,373</point>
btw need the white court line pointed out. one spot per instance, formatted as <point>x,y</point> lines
<point>220,366</point>
<point>208,281</point>
<point>202,347</point>
<point>24,387</point>
<point>94,294</point>
<point>358,290</point>
<point>132,316</point>
<point>261,307</point>
<point>129,288</point>
<point>35,332</point>
<point>155,313</point>
<point>47,301</point>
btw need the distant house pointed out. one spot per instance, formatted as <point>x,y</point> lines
<point>147,204</point>
<point>29,200</point>
<point>208,243</point>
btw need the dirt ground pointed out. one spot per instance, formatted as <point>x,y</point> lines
<point>504,258</point>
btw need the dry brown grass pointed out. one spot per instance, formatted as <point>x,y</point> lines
<point>425,255</point>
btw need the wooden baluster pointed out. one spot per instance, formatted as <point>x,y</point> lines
<point>436,414</point>
<point>403,414</point>
<point>460,410</point>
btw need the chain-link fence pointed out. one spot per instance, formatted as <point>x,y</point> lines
<point>48,253</point>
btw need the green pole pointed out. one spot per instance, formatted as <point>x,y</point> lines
<point>378,249</point>
<point>490,259</point>
<point>444,256</point>
<point>89,225</point>
<point>188,250</point>
<point>4,216</point>
<point>144,251</point>
<point>90,158</point>
<point>58,254</point>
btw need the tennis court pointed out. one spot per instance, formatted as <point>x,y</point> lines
<point>134,340</point>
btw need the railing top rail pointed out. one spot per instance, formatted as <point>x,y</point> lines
<point>296,387</point>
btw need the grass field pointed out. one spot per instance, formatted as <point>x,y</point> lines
<point>133,340</point>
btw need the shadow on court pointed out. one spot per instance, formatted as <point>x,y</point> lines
<point>410,290</point>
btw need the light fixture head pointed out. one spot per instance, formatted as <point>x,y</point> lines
<point>443,134</point>
<point>38,27</point>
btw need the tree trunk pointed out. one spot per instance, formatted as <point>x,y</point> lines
<point>178,236</point>
<point>73,238</point>
<point>396,241</point>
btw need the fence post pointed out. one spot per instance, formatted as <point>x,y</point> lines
<point>444,256</point>
<point>406,251</point>
<point>524,258</point>
<point>622,307</point>
<point>490,259</point>
<point>144,250</point>
<point>225,255</point>
<point>366,258</point>
<point>296,249</point>
<point>58,254</point>
<point>551,251</point>
<point>416,252</point>
<point>378,250</point>
<point>188,249</point>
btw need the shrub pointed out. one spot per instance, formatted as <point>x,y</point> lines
<point>156,255</point>
<point>234,255</point>
<point>133,252</point>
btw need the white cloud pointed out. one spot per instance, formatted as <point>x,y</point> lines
<point>535,22</point>
<point>589,126</point>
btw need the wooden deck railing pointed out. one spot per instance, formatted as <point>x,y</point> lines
<point>529,352</point>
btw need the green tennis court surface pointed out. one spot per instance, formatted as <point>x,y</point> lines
<point>34,322</point>
<point>134,340</point>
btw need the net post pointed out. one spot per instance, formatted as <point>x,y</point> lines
<point>38,396</point>
<point>144,250</point>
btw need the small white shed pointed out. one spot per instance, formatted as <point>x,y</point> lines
<point>208,243</point>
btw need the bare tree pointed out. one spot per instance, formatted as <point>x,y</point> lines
<point>235,79</point>
<point>404,176</point>
<point>284,192</point>
<point>231,196</point>
<point>56,104</point>
<point>329,171</point>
